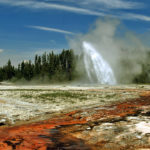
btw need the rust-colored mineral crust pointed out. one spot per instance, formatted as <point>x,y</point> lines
<point>106,128</point>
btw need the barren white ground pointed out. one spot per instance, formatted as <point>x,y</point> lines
<point>26,102</point>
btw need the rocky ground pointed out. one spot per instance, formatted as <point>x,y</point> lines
<point>75,118</point>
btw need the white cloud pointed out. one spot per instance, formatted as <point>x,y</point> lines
<point>1,50</point>
<point>111,4</point>
<point>51,29</point>
<point>44,5</point>
<point>86,7</point>
<point>115,4</point>
<point>138,17</point>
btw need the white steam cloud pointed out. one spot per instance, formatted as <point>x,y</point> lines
<point>1,50</point>
<point>123,50</point>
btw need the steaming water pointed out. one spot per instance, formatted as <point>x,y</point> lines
<point>96,67</point>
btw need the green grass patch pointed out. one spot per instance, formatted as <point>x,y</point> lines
<point>111,95</point>
<point>63,95</point>
<point>27,96</point>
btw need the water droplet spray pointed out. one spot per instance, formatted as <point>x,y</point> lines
<point>96,66</point>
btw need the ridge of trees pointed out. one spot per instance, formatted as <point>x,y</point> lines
<point>59,67</point>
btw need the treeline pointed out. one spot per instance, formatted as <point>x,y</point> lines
<point>58,67</point>
<point>144,76</point>
<point>136,70</point>
<point>62,67</point>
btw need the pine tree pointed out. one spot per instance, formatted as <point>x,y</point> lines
<point>56,66</point>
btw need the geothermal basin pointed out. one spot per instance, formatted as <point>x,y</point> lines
<point>74,117</point>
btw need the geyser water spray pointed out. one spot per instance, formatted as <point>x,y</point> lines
<point>96,67</point>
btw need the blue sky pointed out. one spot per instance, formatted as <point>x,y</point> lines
<point>28,27</point>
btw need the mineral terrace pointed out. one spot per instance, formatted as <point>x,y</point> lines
<point>75,117</point>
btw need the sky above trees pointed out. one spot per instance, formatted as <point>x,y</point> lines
<point>28,27</point>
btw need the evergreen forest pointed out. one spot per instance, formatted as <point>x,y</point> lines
<point>52,67</point>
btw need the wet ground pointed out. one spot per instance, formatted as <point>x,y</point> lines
<point>23,103</point>
<point>122,125</point>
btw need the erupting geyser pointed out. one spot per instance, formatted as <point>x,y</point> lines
<point>96,67</point>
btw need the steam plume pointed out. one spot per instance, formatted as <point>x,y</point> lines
<point>122,49</point>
